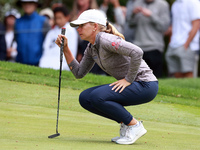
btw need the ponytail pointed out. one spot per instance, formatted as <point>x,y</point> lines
<point>111,29</point>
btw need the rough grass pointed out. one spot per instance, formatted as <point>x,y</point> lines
<point>28,103</point>
<point>181,91</point>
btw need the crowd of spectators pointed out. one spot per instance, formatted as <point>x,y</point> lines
<point>29,37</point>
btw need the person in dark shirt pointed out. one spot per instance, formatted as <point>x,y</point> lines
<point>30,31</point>
<point>2,43</point>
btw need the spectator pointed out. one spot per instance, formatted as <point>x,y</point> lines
<point>48,13</point>
<point>118,11</point>
<point>128,30</point>
<point>56,4</point>
<point>182,53</point>
<point>80,6</point>
<point>2,43</point>
<point>11,45</point>
<point>150,19</point>
<point>51,53</point>
<point>30,33</point>
<point>122,22</point>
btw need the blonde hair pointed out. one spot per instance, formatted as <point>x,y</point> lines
<point>74,15</point>
<point>110,29</point>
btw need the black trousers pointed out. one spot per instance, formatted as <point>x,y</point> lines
<point>103,101</point>
<point>154,59</point>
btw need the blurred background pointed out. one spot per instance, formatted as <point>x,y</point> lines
<point>5,5</point>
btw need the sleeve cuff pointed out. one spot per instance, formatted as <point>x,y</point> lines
<point>72,64</point>
<point>128,79</point>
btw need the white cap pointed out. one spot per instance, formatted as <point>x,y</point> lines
<point>13,12</point>
<point>91,15</point>
<point>48,12</point>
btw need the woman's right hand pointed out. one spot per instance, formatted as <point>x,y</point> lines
<point>59,40</point>
<point>68,55</point>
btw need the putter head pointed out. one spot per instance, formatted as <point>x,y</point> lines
<point>54,135</point>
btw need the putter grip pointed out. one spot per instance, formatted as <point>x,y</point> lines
<point>62,44</point>
<point>63,31</point>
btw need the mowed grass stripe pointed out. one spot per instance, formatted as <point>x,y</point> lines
<point>181,91</point>
<point>29,117</point>
<point>29,130</point>
<point>45,96</point>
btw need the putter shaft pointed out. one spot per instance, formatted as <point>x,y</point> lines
<point>61,58</point>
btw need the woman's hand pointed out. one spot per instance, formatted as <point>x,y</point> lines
<point>59,40</point>
<point>67,52</point>
<point>120,84</point>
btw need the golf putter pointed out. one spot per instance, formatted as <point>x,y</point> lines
<point>61,59</point>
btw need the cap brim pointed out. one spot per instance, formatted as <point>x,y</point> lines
<point>76,23</point>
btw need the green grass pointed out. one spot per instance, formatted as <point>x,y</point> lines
<point>28,106</point>
<point>181,91</point>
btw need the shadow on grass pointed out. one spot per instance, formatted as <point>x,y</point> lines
<point>90,141</point>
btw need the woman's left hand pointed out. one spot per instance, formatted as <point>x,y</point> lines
<point>120,84</point>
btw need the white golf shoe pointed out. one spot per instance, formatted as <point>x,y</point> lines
<point>132,134</point>
<point>122,132</point>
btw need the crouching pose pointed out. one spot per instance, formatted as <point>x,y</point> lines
<point>135,83</point>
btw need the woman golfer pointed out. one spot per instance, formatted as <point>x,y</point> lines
<point>135,83</point>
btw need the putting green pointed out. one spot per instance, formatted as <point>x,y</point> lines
<point>28,116</point>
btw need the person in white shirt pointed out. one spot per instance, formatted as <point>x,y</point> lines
<point>11,45</point>
<point>51,53</point>
<point>182,53</point>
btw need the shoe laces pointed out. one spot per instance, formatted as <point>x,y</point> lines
<point>123,129</point>
<point>122,126</point>
<point>128,132</point>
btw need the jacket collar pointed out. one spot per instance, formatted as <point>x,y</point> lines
<point>96,43</point>
<point>32,15</point>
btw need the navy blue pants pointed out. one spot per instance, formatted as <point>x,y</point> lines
<point>102,101</point>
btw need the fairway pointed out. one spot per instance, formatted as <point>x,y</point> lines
<point>28,115</point>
